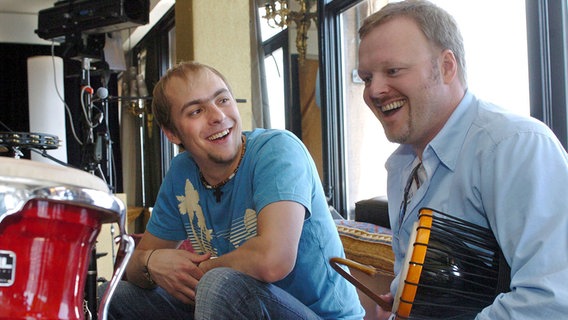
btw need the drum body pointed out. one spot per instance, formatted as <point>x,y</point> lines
<point>50,217</point>
<point>452,270</point>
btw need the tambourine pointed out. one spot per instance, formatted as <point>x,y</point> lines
<point>29,140</point>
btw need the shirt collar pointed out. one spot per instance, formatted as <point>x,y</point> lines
<point>452,135</point>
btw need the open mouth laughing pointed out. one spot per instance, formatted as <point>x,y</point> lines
<point>392,106</point>
<point>219,135</point>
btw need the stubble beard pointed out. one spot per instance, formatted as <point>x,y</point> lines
<point>221,160</point>
<point>405,134</point>
<point>218,159</point>
<point>397,133</point>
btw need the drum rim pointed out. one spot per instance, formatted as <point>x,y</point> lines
<point>412,266</point>
<point>17,192</point>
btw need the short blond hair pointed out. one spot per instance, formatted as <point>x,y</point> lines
<point>438,26</point>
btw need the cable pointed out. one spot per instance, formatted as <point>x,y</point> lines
<point>70,118</point>
<point>84,107</point>
<point>5,126</point>
<point>44,154</point>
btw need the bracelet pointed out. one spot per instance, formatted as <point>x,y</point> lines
<point>147,272</point>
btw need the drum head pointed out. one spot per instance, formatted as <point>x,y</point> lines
<point>43,174</point>
<point>22,180</point>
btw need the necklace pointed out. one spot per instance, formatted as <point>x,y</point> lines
<point>217,187</point>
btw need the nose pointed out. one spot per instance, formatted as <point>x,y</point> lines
<point>215,113</point>
<point>376,87</point>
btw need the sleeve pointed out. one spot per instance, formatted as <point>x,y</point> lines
<point>525,198</point>
<point>284,170</point>
<point>166,218</point>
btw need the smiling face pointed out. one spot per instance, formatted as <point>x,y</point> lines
<point>206,119</point>
<point>409,83</point>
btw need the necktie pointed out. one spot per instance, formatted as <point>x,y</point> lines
<point>412,184</point>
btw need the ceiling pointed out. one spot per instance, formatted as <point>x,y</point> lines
<point>25,6</point>
<point>18,20</point>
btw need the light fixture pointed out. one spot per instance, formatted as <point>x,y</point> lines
<point>278,14</point>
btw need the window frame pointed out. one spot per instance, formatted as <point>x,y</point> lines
<point>547,35</point>
<point>334,162</point>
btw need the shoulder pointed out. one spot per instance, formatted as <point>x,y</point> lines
<point>499,124</point>
<point>499,133</point>
<point>263,135</point>
<point>181,160</point>
<point>272,140</point>
<point>181,166</point>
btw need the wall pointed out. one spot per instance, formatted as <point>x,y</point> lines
<point>19,27</point>
<point>217,33</point>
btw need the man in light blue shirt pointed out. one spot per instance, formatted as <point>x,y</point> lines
<point>479,163</point>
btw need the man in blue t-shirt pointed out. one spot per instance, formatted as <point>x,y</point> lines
<point>253,208</point>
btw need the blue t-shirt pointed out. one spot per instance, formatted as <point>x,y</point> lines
<point>275,167</point>
<point>501,171</point>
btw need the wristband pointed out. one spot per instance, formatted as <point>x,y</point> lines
<point>147,271</point>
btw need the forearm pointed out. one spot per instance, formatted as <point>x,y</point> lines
<point>256,258</point>
<point>527,304</point>
<point>271,254</point>
<point>141,258</point>
<point>135,270</point>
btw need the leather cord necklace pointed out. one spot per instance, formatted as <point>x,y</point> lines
<point>217,187</point>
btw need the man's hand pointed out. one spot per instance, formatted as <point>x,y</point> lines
<point>177,272</point>
<point>382,314</point>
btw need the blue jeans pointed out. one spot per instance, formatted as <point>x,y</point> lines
<point>222,293</point>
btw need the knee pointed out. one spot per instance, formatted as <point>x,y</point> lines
<point>224,293</point>
<point>221,283</point>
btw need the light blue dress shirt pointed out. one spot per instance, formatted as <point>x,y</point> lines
<point>506,172</point>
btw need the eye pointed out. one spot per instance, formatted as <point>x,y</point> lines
<point>365,78</point>
<point>393,71</point>
<point>194,112</point>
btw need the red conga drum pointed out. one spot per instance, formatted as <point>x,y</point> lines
<point>50,217</point>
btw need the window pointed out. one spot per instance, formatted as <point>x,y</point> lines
<point>495,50</point>
<point>365,144</point>
<point>275,46</point>
<point>274,72</point>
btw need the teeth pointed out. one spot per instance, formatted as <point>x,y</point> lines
<point>219,135</point>
<point>392,105</point>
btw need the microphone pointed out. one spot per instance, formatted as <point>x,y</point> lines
<point>102,93</point>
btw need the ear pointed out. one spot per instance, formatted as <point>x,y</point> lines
<point>449,66</point>
<point>172,136</point>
